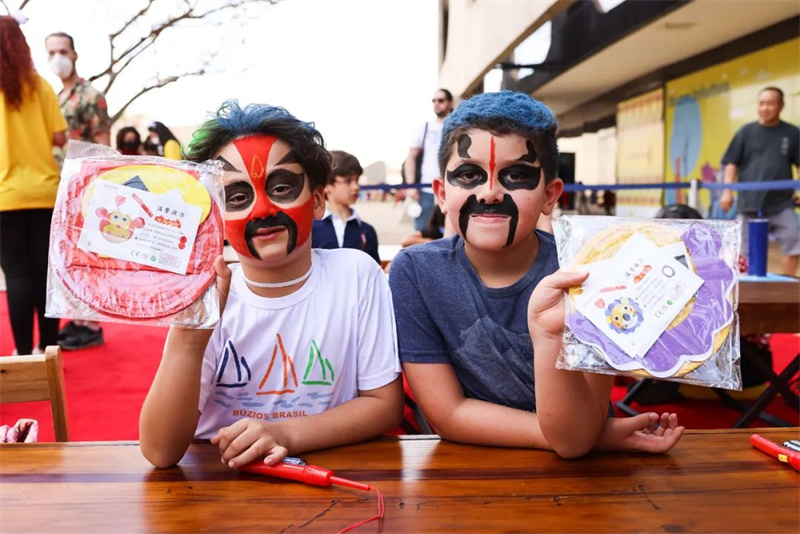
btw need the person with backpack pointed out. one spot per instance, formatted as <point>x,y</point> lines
<point>421,165</point>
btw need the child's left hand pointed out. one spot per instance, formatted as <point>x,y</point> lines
<point>248,439</point>
<point>546,306</point>
<point>639,433</point>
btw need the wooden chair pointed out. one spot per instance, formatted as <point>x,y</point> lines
<point>37,378</point>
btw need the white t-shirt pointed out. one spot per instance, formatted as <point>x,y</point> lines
<point>430,156</point>
<point>279,358</point>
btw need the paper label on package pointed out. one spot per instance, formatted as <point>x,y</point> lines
<point>134,225</point>
<point>635,295</point>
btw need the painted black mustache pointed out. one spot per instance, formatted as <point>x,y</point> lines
<point>473,207</point>
<point>281,219</point>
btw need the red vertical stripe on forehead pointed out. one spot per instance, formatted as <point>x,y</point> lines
<point>491,163</point>
<point>255,150</point>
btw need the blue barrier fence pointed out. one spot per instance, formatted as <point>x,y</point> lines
<point>574,188</point>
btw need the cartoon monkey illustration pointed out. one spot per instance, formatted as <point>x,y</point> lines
<point>117,226</point>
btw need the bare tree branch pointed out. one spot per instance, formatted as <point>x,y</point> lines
<point>162,82</point>
<point>131,20</point>
<point>137,41</point>
<point>5,6</point>
<point>187,14</point>
<point>23,4</point>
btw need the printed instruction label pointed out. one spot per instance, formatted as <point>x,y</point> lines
<point>134,225</point>
<point>635,295</point>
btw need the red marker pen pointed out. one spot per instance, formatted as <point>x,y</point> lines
<point>297,469</point>
<point>782,454</point>
<point>142,204</point>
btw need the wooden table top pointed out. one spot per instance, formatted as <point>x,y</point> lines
<point>714,481</point>
<point>769,307</point>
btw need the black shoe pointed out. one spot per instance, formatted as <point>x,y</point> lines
<point>68,331</point>
<point>82,338</point>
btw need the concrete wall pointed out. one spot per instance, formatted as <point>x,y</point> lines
<point>595,156</point>
<point>481,33</point>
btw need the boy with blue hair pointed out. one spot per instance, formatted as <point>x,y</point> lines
<point>472,310</point>
<point>304,356</point>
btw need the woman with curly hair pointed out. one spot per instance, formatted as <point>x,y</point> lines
<point>30,125</point>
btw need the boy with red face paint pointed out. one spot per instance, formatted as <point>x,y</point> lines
<point>304,356</point>
<point>474,308</point>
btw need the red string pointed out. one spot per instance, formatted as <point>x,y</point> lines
<point>376,517</point>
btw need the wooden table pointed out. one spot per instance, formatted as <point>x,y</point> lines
<point>769,307</point>
<point>714,481</point>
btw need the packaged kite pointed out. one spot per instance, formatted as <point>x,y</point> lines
<point>660,300</point>
<point>134,239</point>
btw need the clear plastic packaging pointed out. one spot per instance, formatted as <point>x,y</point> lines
<point>697,342</point>
<point>134,239</point>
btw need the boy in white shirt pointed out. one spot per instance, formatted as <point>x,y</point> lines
<point>305,355</point>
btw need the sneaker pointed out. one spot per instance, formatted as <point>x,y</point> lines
<point>82,338</point>
<point>68,331</point>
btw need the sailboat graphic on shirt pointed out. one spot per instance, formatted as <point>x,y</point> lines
<point>280,377</point>
<point>319,366</point>
<point>230,357</point>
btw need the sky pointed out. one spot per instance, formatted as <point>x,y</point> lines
<point>364,71</point>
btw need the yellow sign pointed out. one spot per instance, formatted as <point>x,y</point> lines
<point>706,108</point>
<point>640,152</point>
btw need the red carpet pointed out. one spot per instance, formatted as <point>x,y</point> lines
<point>106,386</point>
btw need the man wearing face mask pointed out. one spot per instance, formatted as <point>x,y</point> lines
<point>85,110</point>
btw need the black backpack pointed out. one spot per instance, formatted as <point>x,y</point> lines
<point>418,163</point>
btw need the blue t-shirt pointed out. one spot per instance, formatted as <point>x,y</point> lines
<point>445,314</point>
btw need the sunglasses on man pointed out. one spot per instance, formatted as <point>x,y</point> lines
<point>439,100</point>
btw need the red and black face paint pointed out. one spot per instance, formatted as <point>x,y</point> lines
<point>262,196</point>
<point>506,208</point>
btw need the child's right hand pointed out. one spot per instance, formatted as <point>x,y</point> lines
<point>546,306</point>
<point>246,440</point>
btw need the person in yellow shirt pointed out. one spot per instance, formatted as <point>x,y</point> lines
<point>30,125</point>
<point>163,141</point>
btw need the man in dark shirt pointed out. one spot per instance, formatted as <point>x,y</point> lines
<point>765,151</point>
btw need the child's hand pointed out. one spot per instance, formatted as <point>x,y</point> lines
<point>223,281</point>
<point>546,306</point>
<point>639,434</point>
<point>247,440</point>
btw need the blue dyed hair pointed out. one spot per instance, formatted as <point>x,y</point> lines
<point>504,113</point>
<point>231,122</point>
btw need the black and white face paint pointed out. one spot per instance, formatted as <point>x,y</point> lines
<point>499,173</point>
<point>506,208</point>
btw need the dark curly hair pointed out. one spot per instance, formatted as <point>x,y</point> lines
<point>16,66</point>
<point>232,122</point>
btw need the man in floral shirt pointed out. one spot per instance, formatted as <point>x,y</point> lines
<point>85,110</point>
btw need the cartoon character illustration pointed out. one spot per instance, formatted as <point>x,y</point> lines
<point>623,315</point>
<point>117,226</point>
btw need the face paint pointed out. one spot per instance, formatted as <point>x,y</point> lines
<point>467,176</point>
<point>522,176</point>
<point>491,163</point>
<point>263,198</point>
<point>507,207</point>
<point>464,142</point>
<point>280,219</point>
